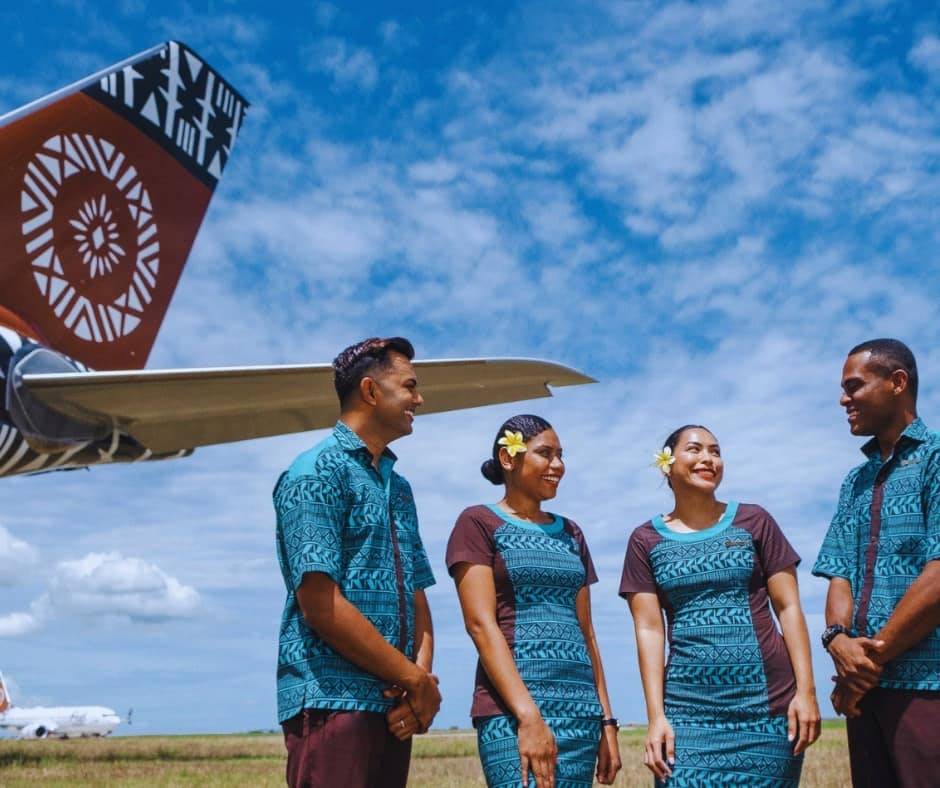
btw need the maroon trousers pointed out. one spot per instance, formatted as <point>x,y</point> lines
<point>353,749</point>
<point>895,743</point>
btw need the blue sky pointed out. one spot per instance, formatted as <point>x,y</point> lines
<point>702,205</point>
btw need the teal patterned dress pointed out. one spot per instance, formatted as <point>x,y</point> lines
<point>729,680</point>
<point>538,572</point>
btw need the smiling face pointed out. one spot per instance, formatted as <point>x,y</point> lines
<point>870,397</point>
<point>698,464</point>
<point>537,471</point>
<point>396,397</point>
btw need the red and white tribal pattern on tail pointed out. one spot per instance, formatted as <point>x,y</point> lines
<point>96,266</point>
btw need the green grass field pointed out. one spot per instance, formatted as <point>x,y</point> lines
<point>440,759</point>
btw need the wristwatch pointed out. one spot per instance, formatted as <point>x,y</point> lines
<point>611,721</point>
<point>830,632</point>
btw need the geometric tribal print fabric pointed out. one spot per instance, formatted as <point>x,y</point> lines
<point>538,572</point>
<point>729,679</point>
<point>577,740</point>
<point>338,515</point>
<point>886,528</point>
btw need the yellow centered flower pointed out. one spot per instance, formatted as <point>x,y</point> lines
<point>664,460</point>
<point>513,441</point>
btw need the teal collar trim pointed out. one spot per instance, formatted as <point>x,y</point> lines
<point>696,536</point>
<point>555,526</point>
<point>348,440</point>
<point>916,431</point>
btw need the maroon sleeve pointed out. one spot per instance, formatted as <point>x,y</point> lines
<point>471,541</point>
<point>590,575</point>
<point>637,571</point>
<point>773,549</point>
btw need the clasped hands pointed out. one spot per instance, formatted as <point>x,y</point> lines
<point>416,705</point>
<point>858,663</point>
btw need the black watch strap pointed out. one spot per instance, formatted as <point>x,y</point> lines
<point>830,633</point>
<point>612,721</point>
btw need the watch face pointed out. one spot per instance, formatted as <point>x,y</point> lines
<point>830,632</point>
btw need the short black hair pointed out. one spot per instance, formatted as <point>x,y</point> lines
<point>357,361</point>
<point>528,425</point>
<point>888,356</point>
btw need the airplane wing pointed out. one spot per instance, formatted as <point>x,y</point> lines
<point>171,410</point>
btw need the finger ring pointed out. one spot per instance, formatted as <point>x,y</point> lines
<point>401,723</point>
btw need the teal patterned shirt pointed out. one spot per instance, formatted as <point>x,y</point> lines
<point>338,515</point>
<point>887,527</point>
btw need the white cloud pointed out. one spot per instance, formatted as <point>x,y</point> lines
<point>18,624</point>
<point>19,560</point>
<point>925,54</point>
<point>108,584</point>
<point>349,65</point>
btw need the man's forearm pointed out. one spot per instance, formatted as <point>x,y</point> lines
<point>915,617</point>
<point>344,629</point>
<point>840,605</point>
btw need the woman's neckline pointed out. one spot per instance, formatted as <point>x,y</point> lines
<point>554,526</point>
<point>659,523</point>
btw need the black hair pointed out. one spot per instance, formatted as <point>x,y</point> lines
<point>888,356</point>
<point>673,440</point>
<point>357,361</point>
<point>528,425</point>
<point>674,436</point>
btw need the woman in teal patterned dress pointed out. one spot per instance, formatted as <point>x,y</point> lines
<point>540,706</point>
<point>739,706</point>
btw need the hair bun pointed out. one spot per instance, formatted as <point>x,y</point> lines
<point>492,472</point>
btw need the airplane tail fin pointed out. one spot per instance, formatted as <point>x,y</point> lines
<point>5,701</point>
<point>103,188</point>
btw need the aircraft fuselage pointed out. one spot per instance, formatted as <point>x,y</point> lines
<point>61,722</point>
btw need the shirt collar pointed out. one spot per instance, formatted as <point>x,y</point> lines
<point>351,442</point>
<point>916,431</point>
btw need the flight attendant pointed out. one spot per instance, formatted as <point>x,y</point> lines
<point>738,704</point>
<point>540,705</point>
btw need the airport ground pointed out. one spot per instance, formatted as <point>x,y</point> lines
<point>442,759</point>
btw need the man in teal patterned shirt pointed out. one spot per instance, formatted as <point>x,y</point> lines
<point>882,557</point>
<point>355,647</point>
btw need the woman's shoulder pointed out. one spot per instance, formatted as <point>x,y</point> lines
<point>645,529</point>
<point>751,513</point>
<point>478,513</point>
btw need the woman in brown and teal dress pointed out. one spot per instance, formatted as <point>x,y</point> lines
<point>540,706</point>
<point>735,704</point>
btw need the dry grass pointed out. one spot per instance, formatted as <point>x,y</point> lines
<point>442,760</point>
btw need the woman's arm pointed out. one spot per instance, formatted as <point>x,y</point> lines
<point>477,592</point>
<point>608,755</point>
<point>424,632</point>
<point>803,714</point>
<point>651,648</point>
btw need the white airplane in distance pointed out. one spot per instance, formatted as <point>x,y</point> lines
<point>103,187</point>
<point>62,722</point>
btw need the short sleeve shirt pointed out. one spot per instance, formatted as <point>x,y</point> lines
<point>538,571</point>
<point>727,659</point>
<point>885,529</point>
<point>338,515</point>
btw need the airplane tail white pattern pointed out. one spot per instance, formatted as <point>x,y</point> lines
<point>5,701</point>
<point>103,187</point>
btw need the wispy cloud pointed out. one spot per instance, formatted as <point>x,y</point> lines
<point>18,559</point>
